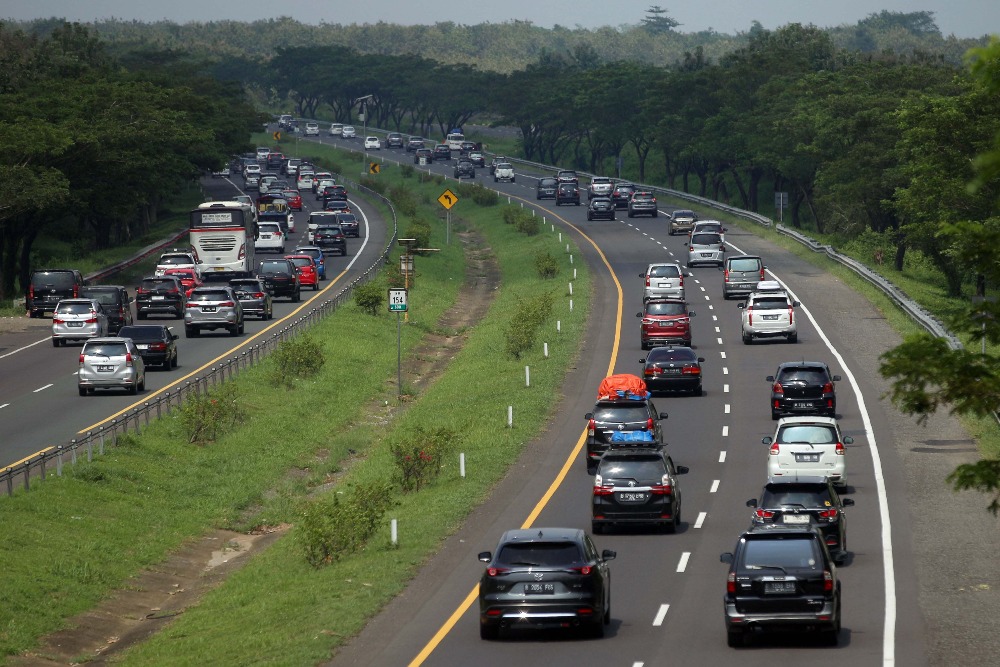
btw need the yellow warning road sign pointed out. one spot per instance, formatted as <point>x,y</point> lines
<point>374,167</point>
<point>277,136</point>
<point>448,199</point>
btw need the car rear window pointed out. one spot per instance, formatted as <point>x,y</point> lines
<point>664,271</point>
<point>789,551</point>
<point>141,333</point>
<point>213,295</point>
<point>154,283</point>
<point>744,265</point>
<point>105,350</point>
<point>671,354</point>
<point>53,279</point>
<point>271,267</point>
<point>806,375</point>
<point>642,197</point>
<point>540,554</point>
<point>706,239</point>
<point>796,495</point>
<point>771,303</point>
<point>269,227</point>
<point>681,213</point>
<point>645,469</point>
<point>176,259</point>
<point>547,182</point>
<point>301,261</point>
<point>807,433</point>
<point>74,308</point>
<point>665,308</point>
<point>621,413</point>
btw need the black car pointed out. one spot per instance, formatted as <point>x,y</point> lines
<point>568,176</point>
<point>394,140</point>
<point>254,297</point>
<point>465,169</point>
<point>442,153</point>
<point>466,147</point>
<point>477,158</point>
<point>637,486</point>
<point>545,578</point>
<point>350,224</point>
<point>413,144</point>
<point>673,368</point>
<point>156,342</point>
<point>274,161</point>
<point>160,294</point>
<point>803,387</point>
<point>330,238</point>
<point>622,193</point>
<point>422,153</point>
<point>635,420</point>
<point>567,193</point>
<point>601,207</point>
<point>803,500</point>
<point>546,188</point>
<point>280,278</point>
<point>47,287</point>
<point>334,193</point>
<point>781,578</point>
<point>116,302</point>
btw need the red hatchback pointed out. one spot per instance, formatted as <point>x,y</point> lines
<point>665,321</point>
<point>189,279</point>
<point>293,198</point>
<point>305,266</point>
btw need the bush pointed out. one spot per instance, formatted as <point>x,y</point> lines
<point>425,177</point>
<point>420,456</point>
<point>404,200</point>
<point>374,184</point>
<point>297,358</point>
<point>510,213</point>
<point>418,229</point>
<point>208,416</point>
<point>528,224</point>
<point>477,193</point>
<point>546,264</point>
<point>524,324</point>
<point>329,528</point>
<point>370,297</point>
<point>407,170</point>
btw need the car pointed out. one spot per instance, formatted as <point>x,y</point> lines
<point>262,152</point>
<point>337,206</point>
<point>706,248</point>
<point>254,297</point>
<point>265,184</point>
<point>601,208</point>
<point>600,186</point>
<point>349,132</point>
<point>394,140</point>
<point>78,319</point>
<point>330,238</point>
<point>663,280</point>
<point>636,486</point>
<point>189,279</point>
<point>567,176</point>
<point>623,416</point>
<point>741,274</point>
<point>270,238</point>
<point>328,190</point>
<point>504,171</point>
<point>423,155</point>
<point>221,173</point>
<point>312,130</point>
<point>317,218</point>
<point>291,166</point>
<point>251,169</point>
<point>159,294</point>
<point>336,129</point>
<point>681,220</point>
<point>442,152</point>
<point>567,193</point>
<point>781,578</point>
<point>176,259</point>
<point>621,194</point>
<point>664,321</point>
<point>320,178</point>
<point>157,344</point>
<point>673,368</point>
<point>213,307</point>
<point>808,446</point>
<point>769,312</point>
<point>477,158</point>
<point>414,143</point>
<point>110,363</point>
<point>464,169</point>
<point>280,278</point>
<point>373,144</point>
<point>305,265</point>
<point>251,182</point>
<point>304,180</point>
<point>116,302</point>
<point>293,198</point>
<point>546,188</point>
<point>317,254</point>
<point>710,226</point>
<point>803,387</point>
<point>545,578</point>
<point>497,159</point>
<point>47,287</point>
<point>466,147</point>
<point>642,203</point>
<point>274,161</point>
<point>350,224</point>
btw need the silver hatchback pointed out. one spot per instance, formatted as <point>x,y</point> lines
<point>213,308</point>
<point>111,363</point>
<point>78,319</point>
<point>706,248</point>
<point>663,280</point>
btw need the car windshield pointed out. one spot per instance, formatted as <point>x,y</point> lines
<point>244,284</point>
<point>105,350</point>
<point>803,375</point>
<point>645,470</point>
<point>642,197</point>
<point>214,295</point>
<point>682,213</point>
<point>347,218</point>
<point>796,495</point>
<point>744,265</point>
<point>142,332</point>
<point>798,551</point>
<point>655,308</point>
<point>74,308</point>
<point>815,434</point>
<point>706,239</point>
<point>621,413</point>
<point>665,271</point>
<point>547,183</point>
<point>539,554</point>
<point>671,354</point>
<point>55,279</point>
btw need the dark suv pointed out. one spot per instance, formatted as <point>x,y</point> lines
<point>781,578</point>
<point>116,302</point>
<point>442,153</point>
<point>802,388</point>
<point>394,140</point>
<point>465,169</point>
<point>48,287</point>
<point>280,278</point>
<point>546,188</point>
<point>622,193</point>
<point>637,486</point>
<point>330,238</point>
<point>567,193</point>
<point>545,578</point>
<point>621,420</point>
<point>160,294</point>
<point>642,203</point>
<point>804,500</point>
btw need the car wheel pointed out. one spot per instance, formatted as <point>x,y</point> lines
<point>655,215</point>
<point>234,330</point>
<point>794,338</point>
<point>747,338</point>
<point>596,528</point>
<point>700,391</point>
<point>83,392</point>
<point>735,638</point>
<point>142,385</point>
<point>55,342</point>
<point>512,179</point>
<point>243,327</point>
<point>180,314</point>
<point>190,332</point>
<point>596,629</point>
<point>315,287</point>
<point>488,631</point>
<point>174,362</point>
<point>670,526</point>
<point>140,315</point>
<point>775,416</point>
<point>607,610</point>
<point>134,389</point>
<point>297,296</point>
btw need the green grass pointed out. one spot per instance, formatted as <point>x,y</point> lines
<point>144,499</point>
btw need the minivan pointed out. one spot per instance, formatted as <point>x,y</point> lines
<point>48,287</point>
<point>741,274</point>
<point>663,280</point>
<point>116,302</point>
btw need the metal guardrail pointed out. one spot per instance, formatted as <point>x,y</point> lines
<point>53,459</point>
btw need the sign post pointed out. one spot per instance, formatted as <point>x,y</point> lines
<point>398,304</point>
<point>781,203</point>
<point>447,199</point>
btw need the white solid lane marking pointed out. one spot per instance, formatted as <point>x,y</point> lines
<point>4,406</point>
<point>700,521</point>
<point>715,486</point>
<point>727,408</point>
<point>661,614</point>
<point>682,565</point>
<point>638,664</point>
<point>42,388</point>
<point>725,431</point>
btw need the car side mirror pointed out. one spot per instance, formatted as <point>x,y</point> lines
<point>642,275</point>
<point>741,306</point>
<point>795,304</point>
<point>836,378</point>
<point>752,502</point>
<point>608,554</point>
<point>701,360</point>
<point>642,361</point>
<point>726,557</point>
<point>589,415</point>
<point>848,440</point>
<point>769,378</point>
<point>692,314</point>
<point>767,440</point>
<point>663,415</point>
<point>720,268</point>
<point>174,336</point>
<point>485,556</point>
<point>682,470</point>
<point>848,502</point>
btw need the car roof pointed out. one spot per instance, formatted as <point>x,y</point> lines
<point>106,339</point>
<point>529,535</point>
<point>627,452</point>
<point>802,364</point>
<point>78,300</point>
<point>794,478</point>
<point>826,421</point>
<point>775,529</point>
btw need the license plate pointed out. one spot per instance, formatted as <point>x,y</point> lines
<point>769,317</point>
<point>75,324</point>
<point>159,298</point>
<point>664,285</point>
<point>706,254</point>
<point>743,286</point>
<point>265,236</point>
<point>631,497</point>
<point>219,268</point>
<point>208,309</point>
<point>670,371</point>
<point>779,586</point>
<point>142,347</point>
<point>539,589</point>
<point>105,369</point>
<point>795,518</point>
<point>807,458</point>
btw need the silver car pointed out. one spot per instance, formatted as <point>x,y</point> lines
<point>663,280</point>
<point>706,248</point>
<point>254,297</point>
<point>78,319</point>
<point>215,307</point>
<point>111,363</point>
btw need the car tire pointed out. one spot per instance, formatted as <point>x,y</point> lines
<point>794,338</point>
<point>596,629</point>
<point>747,338</point>
<point>297,296</point>
<point>140,315</point>
<point>735,638</point>
<point>180,314</point>
<point>142,385</point>
<point>243,327</point>
<point>775,416</point>
<point>670,527</point>
<point>190,332</point>
<point>134,389</point>
<point>700,391</point>
<point>655,214</point>
<point>56,342</point>
<point>607,610</point>
<point>512,179</point>
<point>316,287</point>
<point>596,528</point>
<point>489,632</point>
<point>83,392</point>
<point>174,362</point>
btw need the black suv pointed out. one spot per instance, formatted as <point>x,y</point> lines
<point>637,486</point>
<point>330,238</point>
<point>48,287</point>
<point>601,207</point>
<point>621,420</point>
<point>116,302</point>
<point>465,169</point>
<point>803,387</point>
<point>156,342</point>
<point>781,578</point>
<point>642,203</point>
<point>160,294</point>
<point>545,578</point>
<point>394,140</point>
<point>546,188</point>
<point>622,193</point>
<point>280,278</point>
<point>349,224</point>
<point>567,193</point>
<point>807,501</point>
<point>442,153</point>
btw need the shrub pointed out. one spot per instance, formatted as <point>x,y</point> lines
<point>207,416</point>
<point>404,200</point>
<point>524,324</point>
<point>425,177</point>
<point>406,170</point>
<point>419,457</point>
<point>370,297</point>
<point>300,357</point>
<point>485,196</point>
<point>546,264</point>
<point>374,184</point>
<point>510,213</point>
<point>418,229</point>
<point>528,224</point>
<point>329,528</point>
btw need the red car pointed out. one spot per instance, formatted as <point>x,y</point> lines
<point>305,266</point>
<point>665,321</point>
<point>293,198</point>
<point>189,279</point>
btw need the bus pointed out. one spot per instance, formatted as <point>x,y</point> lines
<point>222,236</point>
<point>454,140</point>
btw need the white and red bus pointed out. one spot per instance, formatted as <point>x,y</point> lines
<point>222,236</point>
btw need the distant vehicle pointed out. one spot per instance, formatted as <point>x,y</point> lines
<point>442,152</point>
<point>160,294</point>
<point>664,321</point>
<point>414,143</point>
<point>280,278</point>
<point>803,387</point>
<point>312,130</point>
<point>769,312</point>
<point>349,132</point>
<point>454,140</point>
<point>808,446</point>
<point>601,207</point>
<point>270,238</point>
<point>636,486</point>
<point>464,169</point>
<point>47,287</point>
<point>394,140</point>
<point>504,171</point>
<point>336,129</point>
<point>567,193</point>
<point>546,188</point>
<point>642,203</point>
<point>116,302</point>
<point>330,238</point>
<point>673,368</point>
<point>600,186</point>
<point>157,344</point>
<point>213,307</point>
<point>663,280</point>
<point>681,220</point>
<point>373,144</point>
<point>305,266</point>
<point>706,248</point>
<point>254,297</point>
<point>176,259</point>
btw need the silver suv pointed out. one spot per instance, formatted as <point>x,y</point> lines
<point>663,280</point>
<point>600,186</point>
<point>768,313</point>
<point>108,363</point>
<point>706,248</point>
<point>741,274</point>
<point>213,308</point>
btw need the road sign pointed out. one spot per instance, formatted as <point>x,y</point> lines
<point>374,167</point>
<point>397,301</point>
<point>448,199</point>
<point>780,200</point>
<point>277,136</point>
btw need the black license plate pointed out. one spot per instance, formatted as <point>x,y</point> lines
<point>539,589</point>
<point>75,324</point>
<point>208,309</point>
<point>769,317</point>
<point>105,369</point>
<point>807,458</point>
<point>631,497</point>
<point>779,587</point>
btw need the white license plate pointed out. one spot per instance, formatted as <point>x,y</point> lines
<point>540,589</point>
<point>142,347</point>
<point>807,458</point>
<point>265,236</point>
<point>795,518</point>
<point>664,285</point>
<point>159,298</point>
<point>769,317</point>
<point>706,254</point>
<point>75,324</point>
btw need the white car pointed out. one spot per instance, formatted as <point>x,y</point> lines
<point>317,218</point>
<point>336,129</point>
<point>251,170</point>
<point>373,143</point>
<point>769,312</point>
<point>312,129</point>
<point>349,132</point>
<point>504,171</point>
<point>177,259</point>
<point>600,186</point>
<point>270,238</point>
<point>808,446</point>
<point>304,180</point>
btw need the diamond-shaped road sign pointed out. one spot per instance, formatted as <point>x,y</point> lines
<point>447,199</point>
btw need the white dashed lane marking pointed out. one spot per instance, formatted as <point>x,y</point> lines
<point>700,521</point>
<point>715,486</point>
<point>722,456</point>
<point>661,614</point>
<point>42,388</point>
<point>682,565</point>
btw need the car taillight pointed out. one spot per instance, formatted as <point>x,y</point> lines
<point>194,304</point>
<point>828,388</point>
<point>227,304</point>
<point>680,283</point>
<point>648,279</point>
<point>828,514</point>
<point>91,320</point>
<point>496,571</point>
<point>243,251</point>
<point>691,370</point>
<point>663,488</point>
<point>722,247</point>
<point>762,273</point>
<point>582,569</point>
<point>790,319</point>
<point>277,233</point>
<point>764,514</point>
<point>840,449</point>
<point>141,291</point>
<point>600,489</point>
<point>775,449</point>
<point>731,583</point>
<point>652,370</point>
<point>591,426</point>
<point>725,275</point>
<point>827,581</point>
<point>58,320</point>
<point>777,389</point>
<point>81,358</point>
<point>750,316</point>
<point>646,321</point>
<point>258,295</point>
<point>128,358</point>
<point>690,248</point>
<point>649,424</point>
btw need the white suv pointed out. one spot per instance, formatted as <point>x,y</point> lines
<point>663,280</point>
<point>808,446</point>
<point>600,186</point>
<point>312,129</point>
<point>769,312</point>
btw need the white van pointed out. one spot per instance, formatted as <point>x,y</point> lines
<point>337,130</point>
<point>312,129</point>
